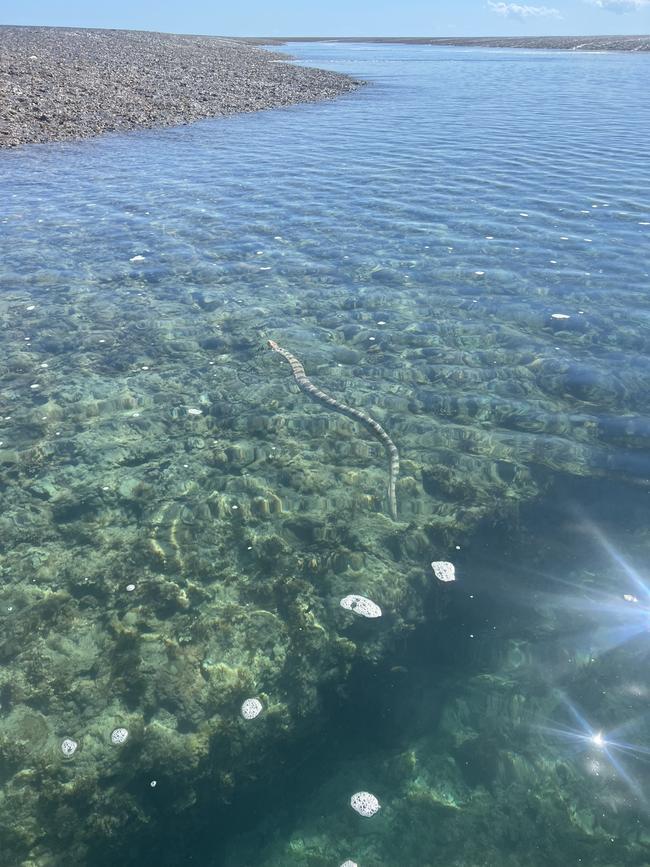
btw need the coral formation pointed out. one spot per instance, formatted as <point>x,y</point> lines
<point>365,804</point>
<point>361,605</point>
<point>251,708</point>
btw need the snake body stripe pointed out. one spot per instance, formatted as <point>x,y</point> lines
<point>309,388</point>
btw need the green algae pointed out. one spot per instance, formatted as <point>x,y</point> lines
<point>164,447</point>
<point>477,766</point>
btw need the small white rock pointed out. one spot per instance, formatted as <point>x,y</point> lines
<point>130,588</point>
<point>193,411</point>
<point>251,708</point>
<point>119,736</point>
<point>69,747</point>
<point>360,605</point>
<point>560,316</point>
<point>443,570</point>
<point>136,259</point>
<point>153,784</point>
<point>349,863</point>
<point>365,804</point>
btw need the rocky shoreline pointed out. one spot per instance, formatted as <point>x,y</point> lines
<point>69,83</point>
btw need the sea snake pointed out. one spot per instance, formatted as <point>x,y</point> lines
<point>374,427</point>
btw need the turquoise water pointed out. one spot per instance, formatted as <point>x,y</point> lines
<point>459,249</point>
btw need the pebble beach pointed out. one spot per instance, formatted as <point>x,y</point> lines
<point>69,83</point>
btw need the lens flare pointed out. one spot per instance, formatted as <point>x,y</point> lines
<point>610,609</point>
<point>611,747</point>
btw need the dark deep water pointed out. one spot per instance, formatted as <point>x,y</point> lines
<point>461,250</point>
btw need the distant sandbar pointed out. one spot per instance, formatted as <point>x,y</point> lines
<point>567,43</point>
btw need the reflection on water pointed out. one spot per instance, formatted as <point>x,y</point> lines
<point>460,251</point>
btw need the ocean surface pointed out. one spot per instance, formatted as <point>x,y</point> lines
<point>460,249</point>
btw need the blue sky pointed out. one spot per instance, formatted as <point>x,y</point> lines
<point>341,17</point>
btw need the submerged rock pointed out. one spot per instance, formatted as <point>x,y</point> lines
<point>365,804</point>
<point>251,708</point>
<point>69,747</point>
<point>119,736</point>
<point>443,570</point>
<point>361,605</point>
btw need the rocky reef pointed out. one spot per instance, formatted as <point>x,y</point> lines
<point>179,526</point>
<point>476,745</point>
<point>176,538</point>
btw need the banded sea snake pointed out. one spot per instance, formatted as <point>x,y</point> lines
<point>374,427</point>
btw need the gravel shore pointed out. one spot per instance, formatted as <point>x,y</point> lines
<point>70,83</point>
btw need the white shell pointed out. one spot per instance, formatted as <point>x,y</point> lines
<point>349,863</point>
<point>443,570</point>
<point>360,605</point>
<point>365,804</point>
<point>251,708</point>
<point>69,747</point>
<point>560,316</point>
<point>119,736</point>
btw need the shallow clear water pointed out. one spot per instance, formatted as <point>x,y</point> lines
<point>460,249</point>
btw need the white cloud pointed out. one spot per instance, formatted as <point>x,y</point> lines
<point>515,10</point>
<point>621,6</point>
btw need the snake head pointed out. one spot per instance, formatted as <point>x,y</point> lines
<point>272,344</point>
